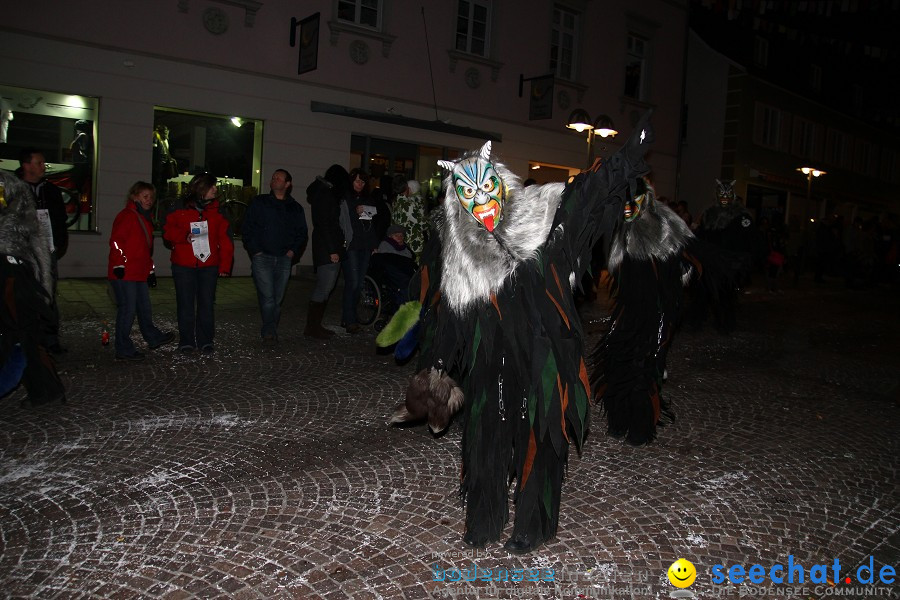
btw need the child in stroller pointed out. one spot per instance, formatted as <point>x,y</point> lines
<point>387,280</point>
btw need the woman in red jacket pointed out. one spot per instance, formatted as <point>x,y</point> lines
<point>131,272</point>
<point>202,251</point>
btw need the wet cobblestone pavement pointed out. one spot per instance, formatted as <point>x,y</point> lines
<point>270,473</point>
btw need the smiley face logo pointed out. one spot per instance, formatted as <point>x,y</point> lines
<point>682,573</point>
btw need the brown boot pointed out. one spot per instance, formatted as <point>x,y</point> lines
<point>314,328</point>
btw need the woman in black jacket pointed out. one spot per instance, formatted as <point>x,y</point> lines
<point>325,196</point>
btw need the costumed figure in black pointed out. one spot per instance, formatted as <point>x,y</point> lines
<point>729,226</point>
<point>498,317</point>
<point>27,285</point>
<point>653,255</point>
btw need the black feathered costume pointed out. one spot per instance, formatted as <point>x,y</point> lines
<point>652,257</point>
<point>498,317</point>
<point>26,284</point>
<point>729,226</point>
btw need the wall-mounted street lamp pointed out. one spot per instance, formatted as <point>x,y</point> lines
<point>810,172</point>
<point>603,126</point>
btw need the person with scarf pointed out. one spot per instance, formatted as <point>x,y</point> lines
<point>131,272</point>
<point>202,251</point>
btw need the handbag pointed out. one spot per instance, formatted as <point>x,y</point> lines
<point>775,258</point>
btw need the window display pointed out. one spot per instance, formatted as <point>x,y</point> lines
<point>63,128</point>
<point>187,143</point>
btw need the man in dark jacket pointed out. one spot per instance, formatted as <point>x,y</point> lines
<point>331,232</point>
<point>275,235</point>
<point>51,211</point>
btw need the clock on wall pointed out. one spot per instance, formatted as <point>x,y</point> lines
<point>215,20</point>
<point>359,52</point>
<point>473,78</point>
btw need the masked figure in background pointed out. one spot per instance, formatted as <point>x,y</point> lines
<point>6,115</point>
<point>498,317</point>
<point>27,285</point>
<point>729,226</point>
<point>652,257</point>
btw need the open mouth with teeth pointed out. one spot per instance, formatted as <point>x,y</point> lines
<point>487,214</point>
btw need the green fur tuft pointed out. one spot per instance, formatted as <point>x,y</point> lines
<point>403,320</point>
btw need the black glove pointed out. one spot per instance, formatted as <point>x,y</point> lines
<point>119,272</point>
<point>151,279</point>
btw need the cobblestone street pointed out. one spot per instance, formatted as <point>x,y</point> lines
<point>271,473</point>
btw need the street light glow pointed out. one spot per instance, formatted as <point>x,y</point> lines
<point>581,121</point>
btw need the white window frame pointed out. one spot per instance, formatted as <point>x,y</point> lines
<point>636,52</point>
<point>559,32</point>
<point>358,6</point>
<point>470,22</point>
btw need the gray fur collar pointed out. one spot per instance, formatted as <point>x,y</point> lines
<point>20,233</point>
<point>657,233</point>
<point>476,263</point>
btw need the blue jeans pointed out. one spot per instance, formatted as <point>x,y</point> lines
<point>356,263</point>
<point>270,275</point>
<point>195,297</point>
<point>133,298</point>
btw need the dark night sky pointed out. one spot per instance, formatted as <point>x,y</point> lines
<point>854,42</point>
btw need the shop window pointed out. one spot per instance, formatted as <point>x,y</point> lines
<point>389,162</point>
<point>187,143</point>
<point>64,128</point>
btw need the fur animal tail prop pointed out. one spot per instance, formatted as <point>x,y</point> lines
<point>431,395</point>
<point>403,320</point>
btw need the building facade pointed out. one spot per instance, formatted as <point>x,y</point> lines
<point>773,88</point>
<point>158,91</point>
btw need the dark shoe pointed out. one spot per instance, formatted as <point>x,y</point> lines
<point>353,328</point>
<point>269,340</point>
<point>57,349</point>
<point>207,349</point>
<point>186,349</point>
<point>166,339</point>
<point>314,313</point>
<point>474,541</point>
<point>35,401</point>
<point>135,357</point>
<point>521,544</point>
